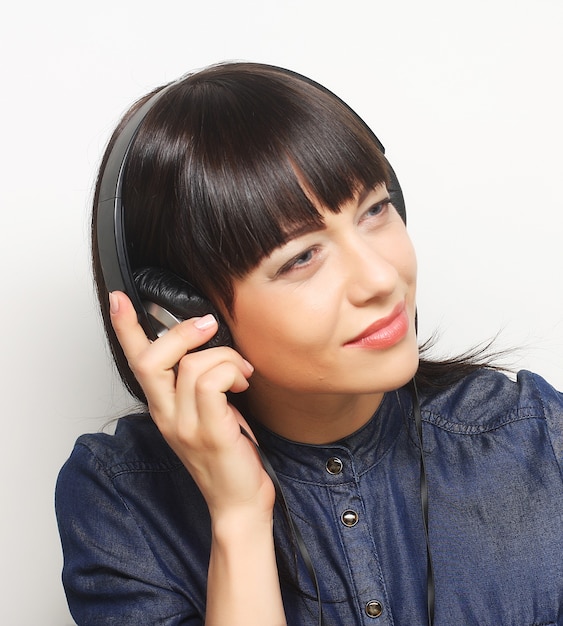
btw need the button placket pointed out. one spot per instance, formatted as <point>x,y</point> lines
<point>361,552</point>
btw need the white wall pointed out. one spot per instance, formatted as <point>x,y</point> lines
<point>466,96</point>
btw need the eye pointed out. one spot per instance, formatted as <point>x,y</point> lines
<point>301,260</point>
<point>377,209</point>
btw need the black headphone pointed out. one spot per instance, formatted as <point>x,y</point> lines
<point>163,299</point>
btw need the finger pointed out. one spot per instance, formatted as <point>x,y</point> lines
<point>153,362</point>
<point>191,366</point>
<point>217,422</point>
<point>158,385</point>
<point>127,328</point>
<point>157,367</point>
<point>168,349</point>
<point>216,370</point>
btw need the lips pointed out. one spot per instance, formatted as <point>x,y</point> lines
<point>385,332</point>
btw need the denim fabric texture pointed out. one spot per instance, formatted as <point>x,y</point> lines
<point>136,533</point>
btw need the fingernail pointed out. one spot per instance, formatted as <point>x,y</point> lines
<point>205,322</point>
<point>249,365</point>
<point>113,303</point>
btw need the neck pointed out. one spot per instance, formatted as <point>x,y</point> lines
<point>311,418</point>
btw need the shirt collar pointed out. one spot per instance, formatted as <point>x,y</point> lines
<point>357,452</point>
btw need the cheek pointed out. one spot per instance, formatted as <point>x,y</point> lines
<point>274,326</point>
<point>405,261</point>
<point>403,257</point>
<point>258,328</point>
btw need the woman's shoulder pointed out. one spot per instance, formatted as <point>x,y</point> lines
<point>124,503</point>
<point>135,445</point>
<point>487,399</point>
<point>131,475</point>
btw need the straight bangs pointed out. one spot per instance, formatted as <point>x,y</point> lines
<point>230,162</point>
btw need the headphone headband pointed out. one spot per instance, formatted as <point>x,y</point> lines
<point>112,245</point>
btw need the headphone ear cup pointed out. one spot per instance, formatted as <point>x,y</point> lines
<point>180,299</point>
<point>396,193</point>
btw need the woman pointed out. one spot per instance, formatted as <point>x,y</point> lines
<point>267,194</point>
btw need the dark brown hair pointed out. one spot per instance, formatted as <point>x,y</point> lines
<point>215,178</point>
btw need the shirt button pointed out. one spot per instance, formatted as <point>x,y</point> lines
<point>349,518</point>
<point>334,465</point>
<point>374,609</point>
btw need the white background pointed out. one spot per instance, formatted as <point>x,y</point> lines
<point>466,96</point>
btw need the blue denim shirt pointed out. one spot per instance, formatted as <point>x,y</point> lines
<point>136,533</point>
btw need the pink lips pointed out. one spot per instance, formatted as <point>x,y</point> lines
<point>384,333</point>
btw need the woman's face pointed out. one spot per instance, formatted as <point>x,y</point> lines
<point>332,310</point>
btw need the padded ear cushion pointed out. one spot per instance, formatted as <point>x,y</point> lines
<point>396,193</point>
<point>179,298</point>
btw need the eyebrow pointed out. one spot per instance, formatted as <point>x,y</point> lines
<point>293,231</point>
<point>365,193</point>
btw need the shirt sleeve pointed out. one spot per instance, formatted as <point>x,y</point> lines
<point>110,574</point>
<point>552,401</point>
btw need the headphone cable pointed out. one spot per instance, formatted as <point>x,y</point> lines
<point>296,534</point>
<point>430,587</point>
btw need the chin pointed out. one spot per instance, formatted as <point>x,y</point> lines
<point>405,377</point>
<point>400,371</point>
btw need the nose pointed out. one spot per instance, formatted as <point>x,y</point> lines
<point>371,276</point>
